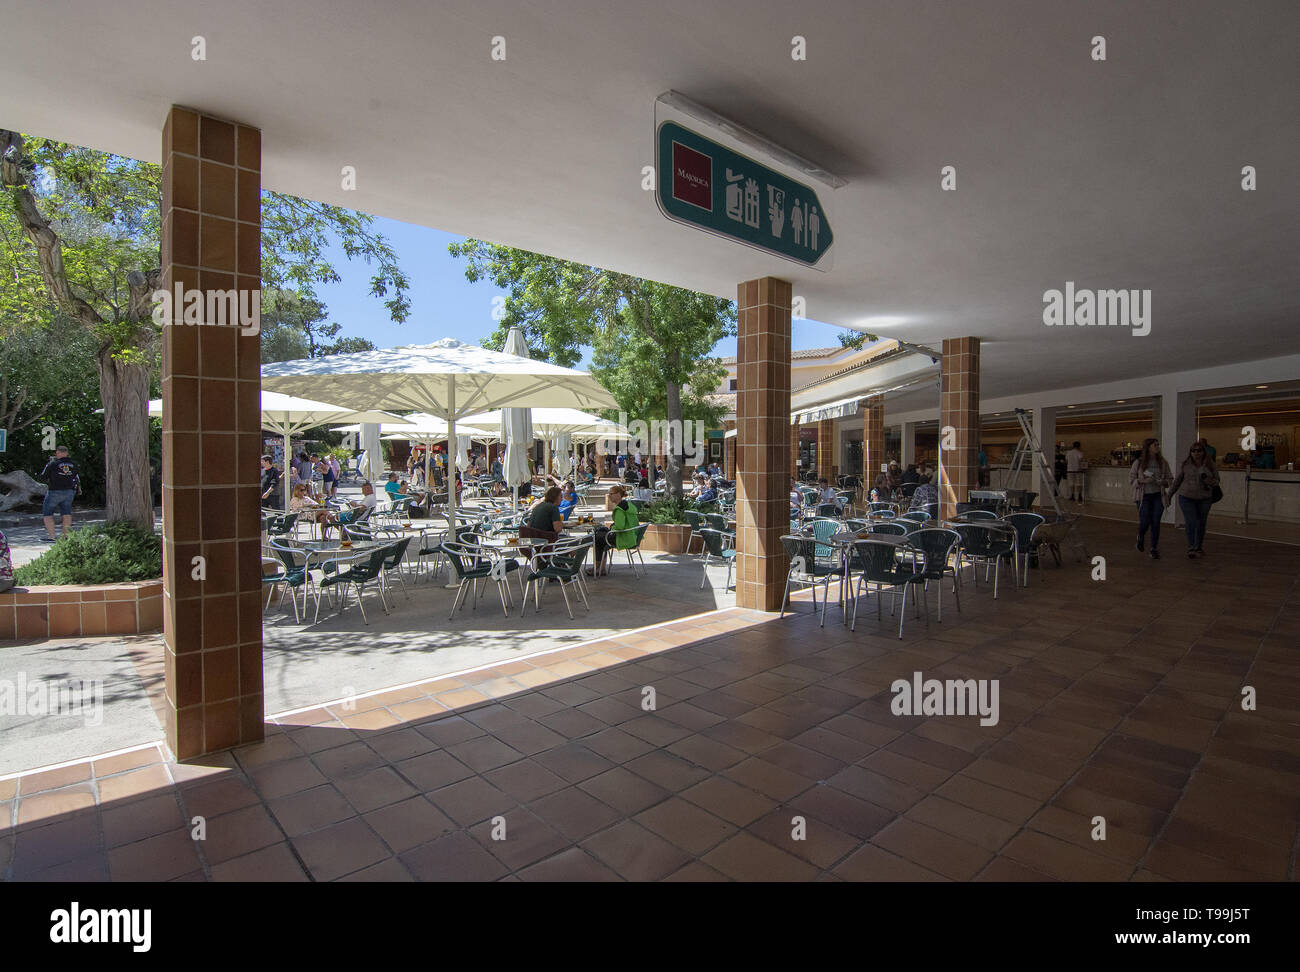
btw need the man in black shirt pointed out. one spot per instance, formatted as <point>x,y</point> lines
<point>270,485</point>
<point>63,483</point>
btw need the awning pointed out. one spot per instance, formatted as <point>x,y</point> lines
<point>831,410</point>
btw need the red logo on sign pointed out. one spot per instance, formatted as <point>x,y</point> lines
<point>692,177</point>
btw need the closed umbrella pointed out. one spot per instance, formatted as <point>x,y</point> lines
<point>517,428</point>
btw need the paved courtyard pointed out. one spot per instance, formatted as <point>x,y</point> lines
<point>771,753</point>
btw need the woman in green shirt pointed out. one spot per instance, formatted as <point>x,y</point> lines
<point>625,519</point>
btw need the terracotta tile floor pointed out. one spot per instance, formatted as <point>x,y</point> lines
<point>1119,698</point>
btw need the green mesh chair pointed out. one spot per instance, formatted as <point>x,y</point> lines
<point>889,527</point>
<point>806,570</point>
<point>1027,539</point>
<point>293,576</point>
<point>563,564</point>
<point>878,567</point>
<point>473,564</point>
<point>716,547</point>
<point>822,530</point>
<point>634,550</point>
<point>985,544</point>
<point>362,573</point>
<point>936,546</point>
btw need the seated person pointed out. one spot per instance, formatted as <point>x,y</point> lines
<point>642,492</point>
<point>624,519</point>
<point>308,508</point>
<point>358,511</point>
<point>543,521</point>
<point>911,475</point>
<point>710,492</point>
<point>631,475</point>
<point>568,500</point>
<point>825,492</point>
<point>392,488</point>
<point>925,495</point>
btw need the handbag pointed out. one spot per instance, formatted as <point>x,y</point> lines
<point>1216,494</point>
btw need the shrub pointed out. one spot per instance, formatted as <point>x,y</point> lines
<point>109,553</point>
<point>670,509</point>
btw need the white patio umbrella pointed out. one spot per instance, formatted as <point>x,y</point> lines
<point>288,415</point>
<point>447,378</point>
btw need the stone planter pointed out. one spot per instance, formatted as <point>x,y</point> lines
<point>667,537</point>
<point>71,611</point>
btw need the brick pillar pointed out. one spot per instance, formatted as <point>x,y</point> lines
<point>794,449</point>
<point>826,450</point>
<point>763,459</point>
<point>959,410</point>
<point>873,440</point>
<point>212,437</point>
<point>729,455</point>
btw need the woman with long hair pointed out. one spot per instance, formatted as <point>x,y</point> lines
<point>1150,477</point>
<point>304,504</point>
<point>1194,486</point>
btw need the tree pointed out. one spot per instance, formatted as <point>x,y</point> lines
<point>651,342</point>
<point>856,339</point>
<point>295,326</point>
<point>91,223</point>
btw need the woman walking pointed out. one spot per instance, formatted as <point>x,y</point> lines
<point>1150,477</point>
<point>1195,488</point>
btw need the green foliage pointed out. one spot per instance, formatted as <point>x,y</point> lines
<point>651,342</point>
<point>105,211</point>
<point>295,235</point>
<point>294,326</point>
<point>102,554</point>
<point>856,339</point>
<point>672,509</point>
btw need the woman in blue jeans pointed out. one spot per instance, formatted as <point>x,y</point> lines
<point>1150,477</point>
<point>1195,485</point>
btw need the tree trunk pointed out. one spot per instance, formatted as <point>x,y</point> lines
<point>124,392</point>
<point>673,473</point>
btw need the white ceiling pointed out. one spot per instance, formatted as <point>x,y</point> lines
<point>1123,173</point>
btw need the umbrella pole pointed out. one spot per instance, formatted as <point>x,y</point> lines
<point>286,485</point>
<point>451,461</point>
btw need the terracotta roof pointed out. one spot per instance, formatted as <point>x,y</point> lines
<point>802,354</point>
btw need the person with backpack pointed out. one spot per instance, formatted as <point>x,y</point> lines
<point>1195,486</point>
<point>1150,477</point>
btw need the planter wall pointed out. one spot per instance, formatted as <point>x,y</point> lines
<point>69,611</point>
<point>667,537</point>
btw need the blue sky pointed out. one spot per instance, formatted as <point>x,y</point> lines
<point>445,304</point>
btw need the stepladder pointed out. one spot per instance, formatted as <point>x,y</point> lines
<point>1029,457</point>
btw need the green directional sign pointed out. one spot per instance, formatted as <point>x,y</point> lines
<point>713,188</point>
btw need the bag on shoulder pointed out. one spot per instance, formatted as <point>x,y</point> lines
<point>1216,494</point>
